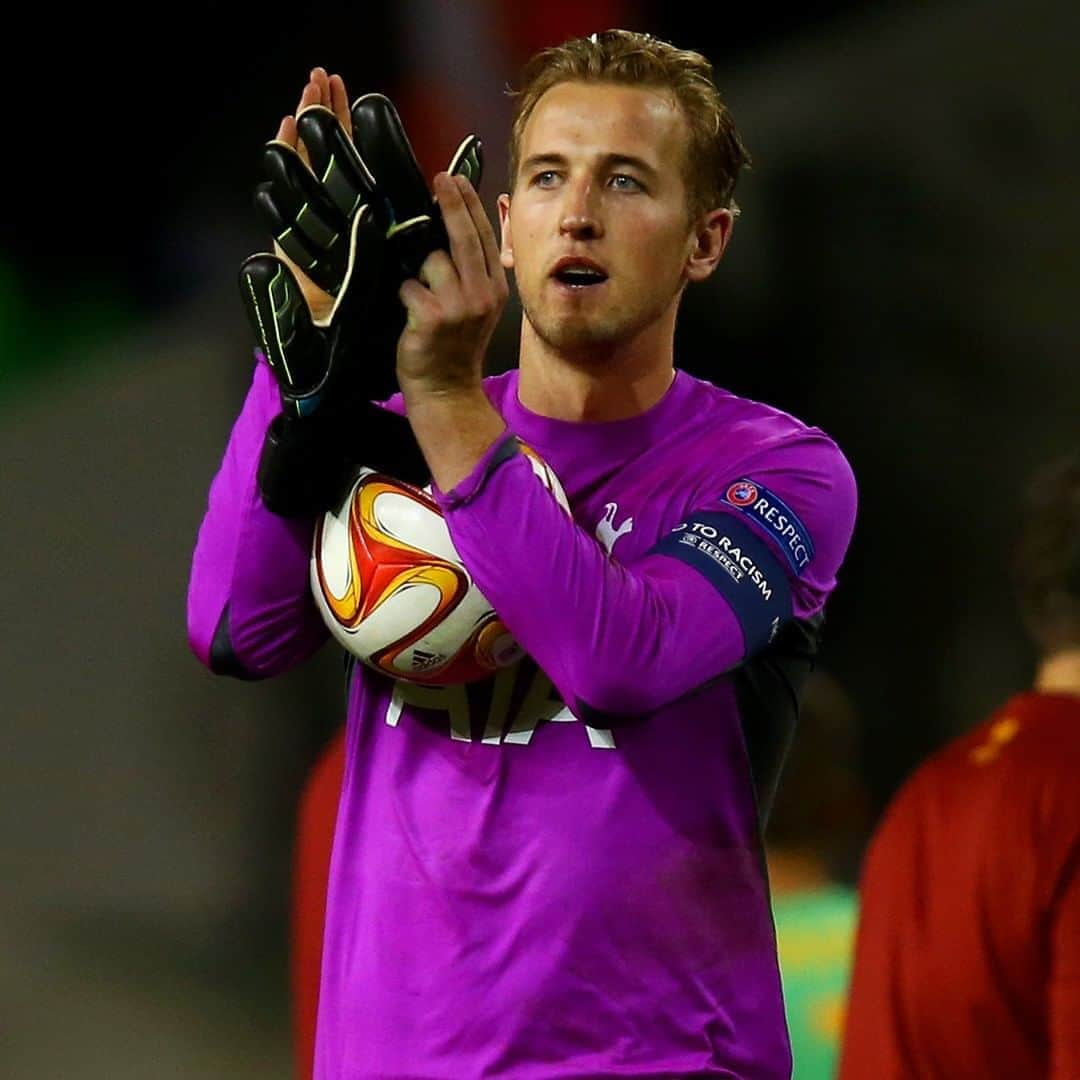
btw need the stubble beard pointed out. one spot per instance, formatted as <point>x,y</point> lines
<point>584,332</point>
<point>571,334</point>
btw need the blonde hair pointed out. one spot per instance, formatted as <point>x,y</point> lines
<point>715,153</point>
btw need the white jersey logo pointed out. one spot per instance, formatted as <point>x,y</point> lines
<point>606,533</point>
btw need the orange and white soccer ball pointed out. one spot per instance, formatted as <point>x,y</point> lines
<point>393,591</point>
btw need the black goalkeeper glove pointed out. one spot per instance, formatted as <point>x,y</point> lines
<point>309,211</point>
<point>306,450</point>
<point>328,370</point>
<point>401,200</point>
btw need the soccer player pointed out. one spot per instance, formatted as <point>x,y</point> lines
<point>559,872</point>
<point>967,958</point>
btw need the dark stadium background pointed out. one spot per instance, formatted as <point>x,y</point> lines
<point>904,275</point>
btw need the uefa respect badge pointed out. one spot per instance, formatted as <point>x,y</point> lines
<point>779,522</point>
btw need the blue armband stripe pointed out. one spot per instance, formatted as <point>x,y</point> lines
<point>741,565</point>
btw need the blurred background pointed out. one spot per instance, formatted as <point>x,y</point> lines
<point>904,275</point>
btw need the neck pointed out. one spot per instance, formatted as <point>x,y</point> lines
<point>599,382</point>
<point>1059,673</point>
<point>795,871</point>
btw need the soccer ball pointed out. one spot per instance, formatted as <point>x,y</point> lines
<point>393,591</point>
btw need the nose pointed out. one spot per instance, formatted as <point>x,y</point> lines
<point>580,218</point>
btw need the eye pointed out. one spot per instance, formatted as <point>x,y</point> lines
<point>545,178</point>
<point>622,182</point>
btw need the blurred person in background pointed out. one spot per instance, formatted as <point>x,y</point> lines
<point>813,833</point>
<point>312,849</point>
<point>596,891</point>
<point>967,958</point>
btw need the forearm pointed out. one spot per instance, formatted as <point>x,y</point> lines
<point>616,639</point>
<point>248,595</point>
<point>453,430</point>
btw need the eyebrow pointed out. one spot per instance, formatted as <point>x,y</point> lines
<point>537,160</point>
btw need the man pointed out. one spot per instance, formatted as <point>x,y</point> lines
<point>967,958</point>
<point>511,896</point>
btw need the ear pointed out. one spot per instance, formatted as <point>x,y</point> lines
<point>506,248</point>
<point>707,243</point>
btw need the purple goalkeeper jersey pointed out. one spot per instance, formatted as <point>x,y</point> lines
<point>558,872</point>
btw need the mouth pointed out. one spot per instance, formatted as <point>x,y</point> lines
<point>578,289</point>
<point>579,275</point>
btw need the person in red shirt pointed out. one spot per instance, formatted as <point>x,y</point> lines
<point>967,959</point>
<point>316,818</point>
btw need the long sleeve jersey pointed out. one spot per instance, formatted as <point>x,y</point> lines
<point>557,872</point>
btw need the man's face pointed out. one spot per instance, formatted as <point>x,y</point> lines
<point>600,183</point>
